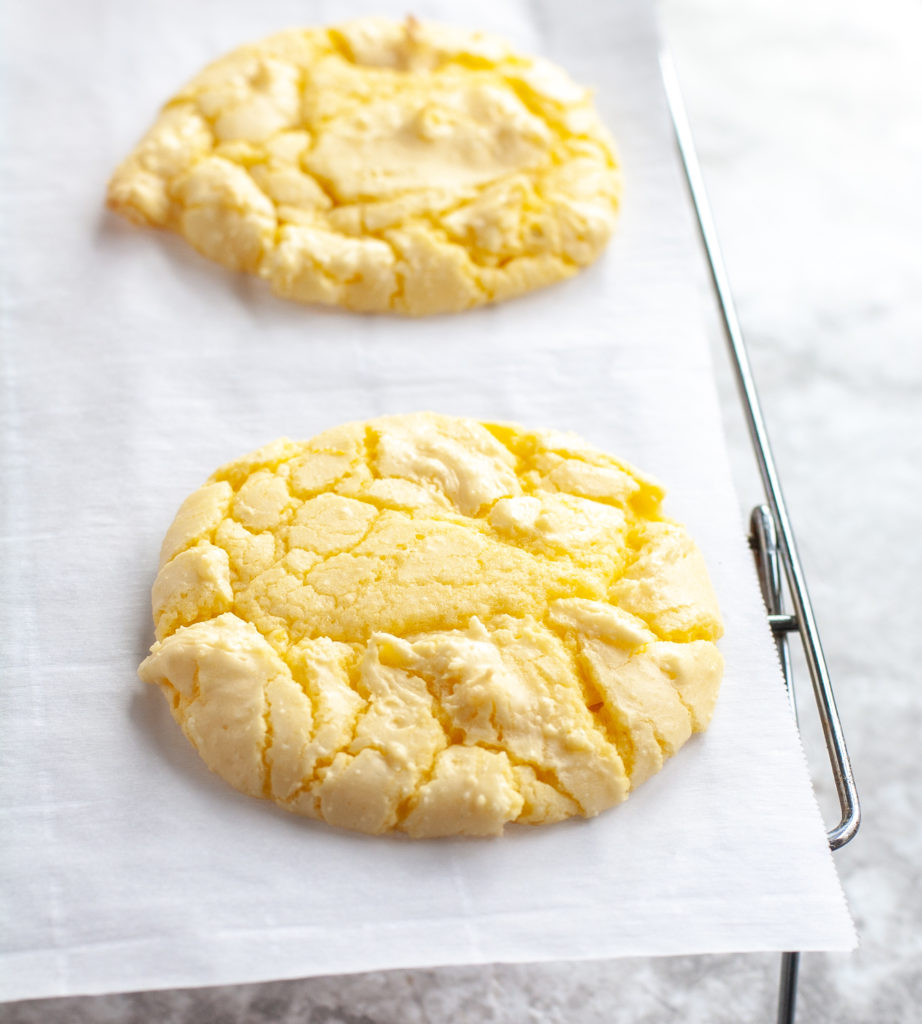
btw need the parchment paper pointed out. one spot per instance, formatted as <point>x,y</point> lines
<point>132,368</point>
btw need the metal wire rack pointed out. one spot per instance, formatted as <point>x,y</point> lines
<point>771,533</point>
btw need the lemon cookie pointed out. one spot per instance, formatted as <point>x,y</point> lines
<point>433,625</point>
<point>380,166</point>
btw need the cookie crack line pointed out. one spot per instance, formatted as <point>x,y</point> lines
<point>435,669</point>
<point>381,169</point>
<point>322,764</point>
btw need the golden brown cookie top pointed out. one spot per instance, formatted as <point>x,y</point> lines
<point>434,625</point>
<point>380,166</point>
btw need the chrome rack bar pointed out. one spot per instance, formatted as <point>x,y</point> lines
<point>772,533</point>
<point>803,619</point>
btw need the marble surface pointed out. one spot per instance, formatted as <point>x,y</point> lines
<point>807,124</point>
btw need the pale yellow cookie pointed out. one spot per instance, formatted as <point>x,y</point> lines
<point>434,625</point>
<point>381,166</point>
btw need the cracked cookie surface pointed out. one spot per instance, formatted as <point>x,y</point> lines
<point>434,625</point>
<point>380,166</point>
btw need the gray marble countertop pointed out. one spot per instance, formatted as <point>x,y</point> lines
<point>807,120</point>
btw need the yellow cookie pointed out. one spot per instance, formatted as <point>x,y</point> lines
<point>433,625</point>
<point>381,166</point>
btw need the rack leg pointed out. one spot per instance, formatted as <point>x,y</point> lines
<point>787,988</point>
<point>765,545</point>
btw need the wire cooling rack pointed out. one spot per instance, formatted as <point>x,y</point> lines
<point>781,574</point>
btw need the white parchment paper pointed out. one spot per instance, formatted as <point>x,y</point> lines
<point>132,368</point>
